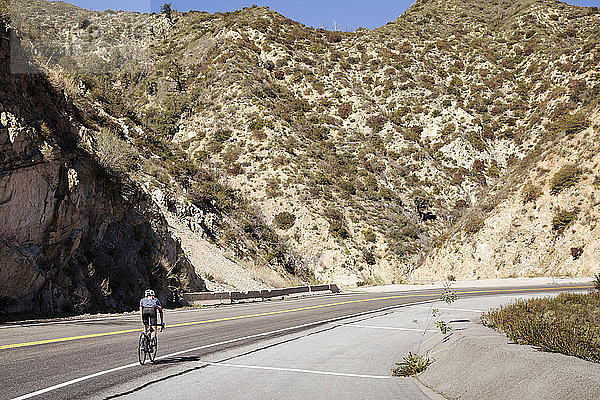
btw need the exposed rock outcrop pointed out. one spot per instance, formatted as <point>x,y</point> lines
<point>72,237</point>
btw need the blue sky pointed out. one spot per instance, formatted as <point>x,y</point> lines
<point>348,14</point>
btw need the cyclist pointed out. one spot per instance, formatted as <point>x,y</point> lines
<point>148,307</point>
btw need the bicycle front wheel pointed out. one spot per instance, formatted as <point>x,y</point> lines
<point>142,349</point>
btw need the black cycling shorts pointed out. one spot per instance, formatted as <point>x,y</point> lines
<point>149,316</point>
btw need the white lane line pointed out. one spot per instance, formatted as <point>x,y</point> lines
<point>97,374</point>
<point>108,371</point>
<point>307,371</point>
<point>387,327</point>
<point>72,382</point>
<point>455,309</point>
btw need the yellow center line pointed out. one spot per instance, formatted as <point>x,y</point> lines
<point>94,335</point>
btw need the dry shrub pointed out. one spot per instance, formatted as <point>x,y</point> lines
<point>568,323</point>
<point>265,274</point>
<point>284,220</point>
<point>114,154</point>
<point>564,178</point>
<point>530,192</point>
<point>563,218</point>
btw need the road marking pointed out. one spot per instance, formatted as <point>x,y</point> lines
<point>307,371</point>
<point>68,321</point>
<point>67,339</point>
<point>95,335</point>
<point>135,314</point>
<point>455,309</point>
<point>386,327</point>
<point>71,382</point>
<point>178,353</point>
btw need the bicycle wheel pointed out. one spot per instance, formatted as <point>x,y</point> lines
<point>153,346</point>
<point>142,349</point>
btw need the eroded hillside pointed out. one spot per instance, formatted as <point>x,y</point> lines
<point>327,155</point>
<point>547,226</point>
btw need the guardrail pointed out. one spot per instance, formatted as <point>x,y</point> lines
<point>210,298</point>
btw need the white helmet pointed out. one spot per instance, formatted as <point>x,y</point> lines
<point>149,292</point>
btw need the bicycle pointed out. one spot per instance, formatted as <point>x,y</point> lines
<point>147,345</point>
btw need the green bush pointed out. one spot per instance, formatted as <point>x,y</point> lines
<point>568,323</point>
<point>259,123</point>
<point>284,220</point>
<point>571,123</point>
<point>564,178</point>
<point>562,219</point>
<point>344,110</point>
<point>222,135</point>
<point>369,235</point>
<point>337,225</point>
<point>530,192</point>
<point>376,122</point>
<point>422,200</point>
<point>412,364</point>
<point>272,189</point>
<point>369,257</point>
<point>576,252</point>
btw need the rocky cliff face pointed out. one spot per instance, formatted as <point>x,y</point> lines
<point>72,237</point>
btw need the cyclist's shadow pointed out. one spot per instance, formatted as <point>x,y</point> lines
<point>176,360</point>
<point>164,361</point>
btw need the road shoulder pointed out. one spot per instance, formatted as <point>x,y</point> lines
<point>479,362</point>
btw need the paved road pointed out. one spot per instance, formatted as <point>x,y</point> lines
<point>89,357</point>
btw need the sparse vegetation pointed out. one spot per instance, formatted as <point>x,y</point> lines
<point>563,218</point>
<point>474,224</point>
<point>530,192</point>
<point>568,323</point>
<point>369,235</point>
<point>564,178</point>
<point>415,363</point>
<point>412,364</point>
<point>571,124</point>
<point>285,220</point>
<point>337,224</point>
<point>114,154</point>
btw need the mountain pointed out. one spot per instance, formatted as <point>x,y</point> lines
<point>282,153</point>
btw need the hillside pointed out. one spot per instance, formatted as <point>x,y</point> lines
<point>301,154</point>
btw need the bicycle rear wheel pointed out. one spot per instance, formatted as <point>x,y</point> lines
<point>154,346</point>
<point>142,349</point>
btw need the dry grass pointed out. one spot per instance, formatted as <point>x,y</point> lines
<point>113,153</point>
<point>568,323</point>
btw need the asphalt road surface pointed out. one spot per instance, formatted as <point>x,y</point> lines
<point>86,358</point>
